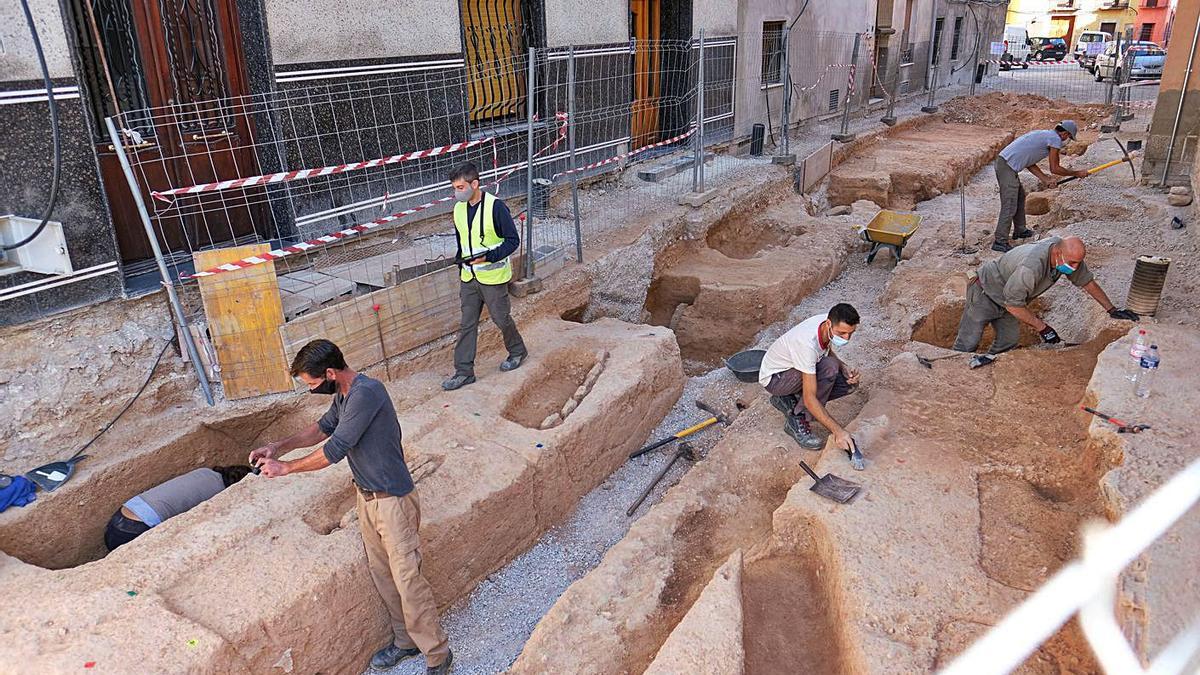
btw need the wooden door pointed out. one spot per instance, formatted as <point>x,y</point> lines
<point>183,61</point>
<point>645,22</point>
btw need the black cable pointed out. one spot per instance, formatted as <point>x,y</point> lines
<point>789,92</point>
<point>37,46</point>
<point>975,48</point>
<point>149,376</point>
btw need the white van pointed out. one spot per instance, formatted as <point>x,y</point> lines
<point>1016,48</point>
<point>1088,46</point>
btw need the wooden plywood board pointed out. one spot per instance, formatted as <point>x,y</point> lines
<point>410,314</point>
<point>244,314</point>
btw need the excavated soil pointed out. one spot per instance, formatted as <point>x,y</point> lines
<point>747,273</point>
<point>940,326</point>
<point>1020,113</point>
<point>915,164</point>
<point>557,378</point>
<point>788,619</point>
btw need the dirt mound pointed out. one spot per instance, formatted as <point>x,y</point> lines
<point>1021,112</point>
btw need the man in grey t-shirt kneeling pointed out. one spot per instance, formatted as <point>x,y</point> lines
<point>1001,291</point>
<point>361,426</point>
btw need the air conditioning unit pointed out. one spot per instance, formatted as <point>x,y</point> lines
<point>47,254</point>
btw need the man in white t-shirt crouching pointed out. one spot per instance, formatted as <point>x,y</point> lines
<point>802,373</point>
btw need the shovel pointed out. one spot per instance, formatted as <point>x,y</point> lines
<point>50,476</point>
<point>830,486</point>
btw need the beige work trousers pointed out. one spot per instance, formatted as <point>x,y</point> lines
<point>389,528</point>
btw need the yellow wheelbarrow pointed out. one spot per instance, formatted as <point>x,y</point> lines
<point>890,230</point>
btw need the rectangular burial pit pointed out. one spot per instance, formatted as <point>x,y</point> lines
<point>263,575</point>
<point>751,272</point>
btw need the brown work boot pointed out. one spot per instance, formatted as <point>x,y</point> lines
<point>443,667</point>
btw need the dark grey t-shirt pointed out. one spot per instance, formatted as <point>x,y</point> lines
<point>362,427</point>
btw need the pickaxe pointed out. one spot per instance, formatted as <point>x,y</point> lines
<point>1123,427</point>
<point>685,451</point>
<point>716,417</point>
<point>1106,165</point>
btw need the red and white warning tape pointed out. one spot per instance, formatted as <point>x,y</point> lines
<point>820,78</point>
<point>285,176</point>
<point>617,158</point>
<point>1014,62</point>
<point>333,237</point>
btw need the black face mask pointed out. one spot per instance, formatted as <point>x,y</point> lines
<point>326,387</point>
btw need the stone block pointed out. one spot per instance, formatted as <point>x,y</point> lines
<point>1038,203</point>
<point>519,288</point>
<point>698,198</point>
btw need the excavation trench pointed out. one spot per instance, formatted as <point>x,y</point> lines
<point>748,272</point>
<point>78,512</point>
<point>1003,492</point>
<point>491,481</point>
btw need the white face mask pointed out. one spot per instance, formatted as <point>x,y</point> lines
<point>839,341</point>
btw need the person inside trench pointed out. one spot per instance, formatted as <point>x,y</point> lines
<point>167,500</point>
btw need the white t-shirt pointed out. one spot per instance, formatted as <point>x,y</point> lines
<point>798,348</point>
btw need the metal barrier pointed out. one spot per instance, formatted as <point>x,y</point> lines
<point>312,192</point>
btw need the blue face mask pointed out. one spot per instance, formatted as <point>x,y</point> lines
<point>839,341</point>
<point>1064,268</point>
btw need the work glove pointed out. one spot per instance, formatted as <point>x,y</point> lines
<point>1123,314</point>
<point>1049,336</point>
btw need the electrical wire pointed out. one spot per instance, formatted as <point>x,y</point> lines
<point>37,47</point>
<point>149,376</point>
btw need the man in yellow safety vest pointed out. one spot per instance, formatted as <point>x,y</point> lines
<point>487,237</point>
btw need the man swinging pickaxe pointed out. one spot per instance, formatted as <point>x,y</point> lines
<point>1106,165</point>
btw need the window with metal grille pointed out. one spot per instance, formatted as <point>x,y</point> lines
<point>937,39</point>
<point>956,38</point>
<point>772,52</point>
<point>122,87</point>
<point>834,96</point>
<point>1147,32</point>
<point>497,35</point>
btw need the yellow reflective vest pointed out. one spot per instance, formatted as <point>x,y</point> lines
<point>478,238</point>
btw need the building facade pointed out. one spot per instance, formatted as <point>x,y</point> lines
<point>1148,20</point>
<point>118,57</point>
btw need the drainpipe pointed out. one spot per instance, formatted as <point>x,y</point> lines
<point>1187,77</point>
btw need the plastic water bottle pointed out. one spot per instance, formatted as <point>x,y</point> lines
<point>1140,344</point>
<point>1145,378</point>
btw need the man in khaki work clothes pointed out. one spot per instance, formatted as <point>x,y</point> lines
<point>998,295</point>
<point>487,237</point>
<point>361,426</point>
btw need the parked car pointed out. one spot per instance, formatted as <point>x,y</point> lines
<point>1016,48</point>
<point>1089,44</point>
<point>1141,60</point>
<point>1048,49</point>
<point>1108,54</point>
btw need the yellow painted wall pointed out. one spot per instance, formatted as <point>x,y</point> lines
<point>1035,16</point>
